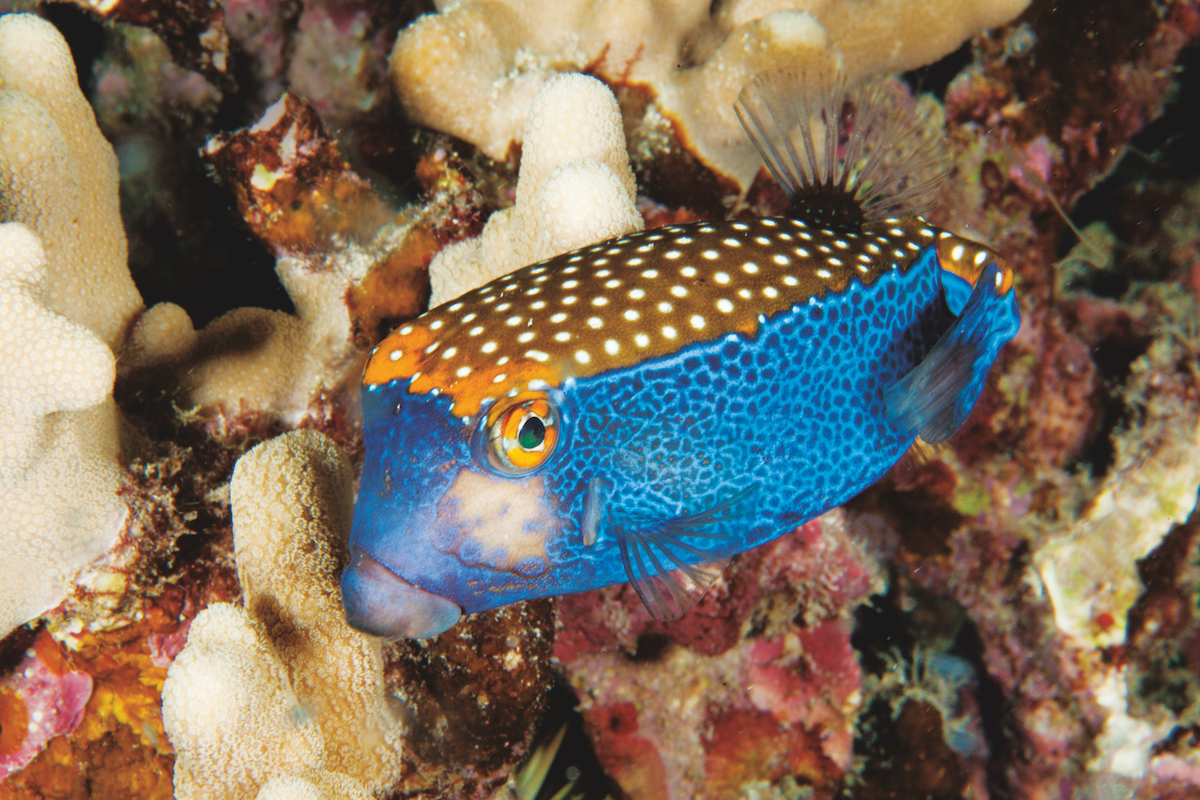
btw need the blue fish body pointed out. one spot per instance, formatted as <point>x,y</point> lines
<point>643,409</point>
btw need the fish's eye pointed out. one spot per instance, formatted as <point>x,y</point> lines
<point>522,434</point>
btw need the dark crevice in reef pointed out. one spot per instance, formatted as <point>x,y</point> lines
<point>193,248</point>
<point>576,759</point>
<point>994,712</point>
<point>913,500</point>
<point>84,34</point>
<point>1160,164</point>
<point>935,78</point>
<point>651,647</point>
<point>188,243</point>
<point>880,628</point>
<point>905,736</point>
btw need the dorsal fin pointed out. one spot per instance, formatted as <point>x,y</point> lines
<point>844,157</point>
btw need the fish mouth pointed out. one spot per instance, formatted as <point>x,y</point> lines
<point>378,602</point>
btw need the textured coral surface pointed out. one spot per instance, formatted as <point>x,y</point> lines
<point>1011,614</point>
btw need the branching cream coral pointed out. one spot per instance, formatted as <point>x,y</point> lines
<point>283,696</point>
<point>473,69</point>
<point>574,188</point>
<point>274,362</point>
<point>58,176</point>
<point>58,453</point>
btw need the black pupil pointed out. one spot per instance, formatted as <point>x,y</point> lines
<point>531,433</point>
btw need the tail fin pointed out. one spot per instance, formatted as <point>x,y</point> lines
<point>935,398</point>
<point>846,156</point>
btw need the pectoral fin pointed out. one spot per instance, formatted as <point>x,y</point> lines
<point>672,564</point>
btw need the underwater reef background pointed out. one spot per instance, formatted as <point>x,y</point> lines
<point>1014,614</point>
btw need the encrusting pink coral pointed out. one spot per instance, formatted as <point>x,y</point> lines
<point>758,681</point>
<point>46,696</point>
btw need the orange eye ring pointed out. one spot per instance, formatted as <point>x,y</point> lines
<point>522,433</point>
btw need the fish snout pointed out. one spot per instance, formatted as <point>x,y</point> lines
<point>379,602</point>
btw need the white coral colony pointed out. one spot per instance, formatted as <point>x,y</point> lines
<point>473,69</point>
<point>65,298</point>
<point>58,472</point>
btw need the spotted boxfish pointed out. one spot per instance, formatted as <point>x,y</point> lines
<point>645,408</point>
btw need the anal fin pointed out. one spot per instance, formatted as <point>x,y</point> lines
<point>934,399</point>
<point>670,574</point>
